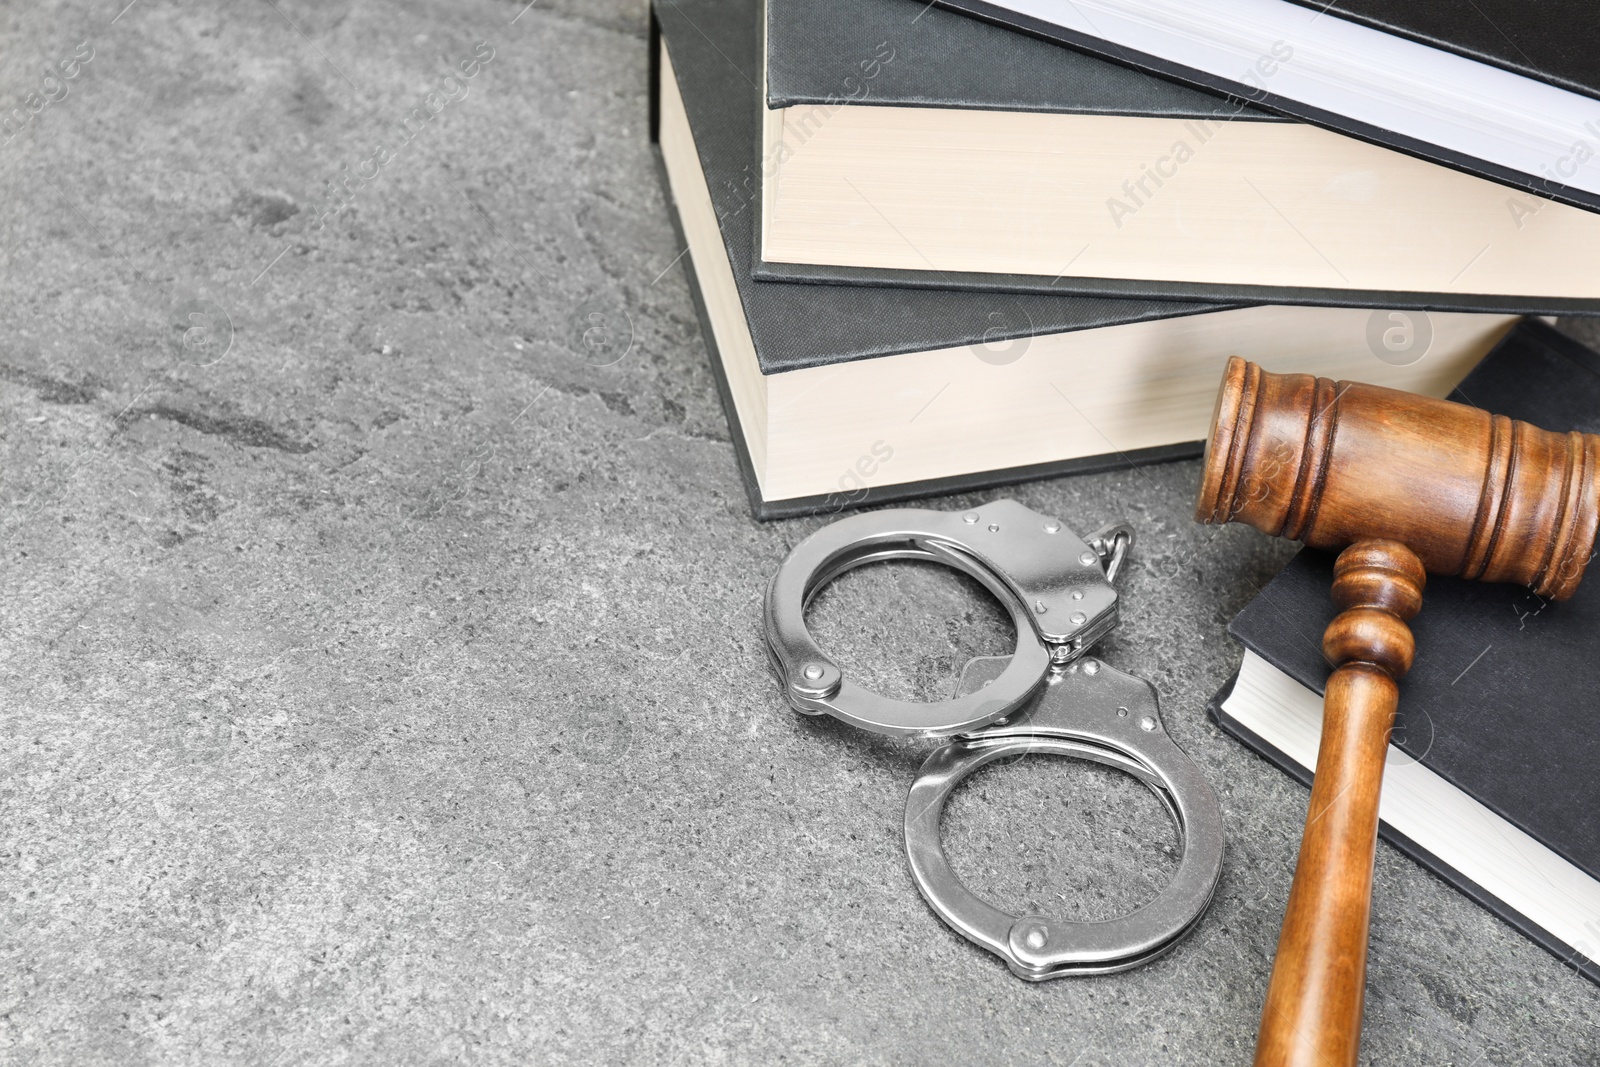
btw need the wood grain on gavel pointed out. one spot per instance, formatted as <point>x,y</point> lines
<point>1406,485</point>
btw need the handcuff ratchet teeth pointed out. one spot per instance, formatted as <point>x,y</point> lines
<point>1046,697</point>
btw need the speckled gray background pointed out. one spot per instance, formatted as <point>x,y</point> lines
<point>390,690</point>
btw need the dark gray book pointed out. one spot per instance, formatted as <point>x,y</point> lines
<point>1500,704</point>
<point>1094,177</point>
<point>943,59</point>
<point>1551,40</point>
<point>840,396</point>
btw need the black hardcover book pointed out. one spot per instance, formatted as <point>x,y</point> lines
<point>945,59</point>
<point>1550,40</point>
<point>841,396</point>
<point>1500,705</point>
<point>1505,89</point>
<point>875,178</point>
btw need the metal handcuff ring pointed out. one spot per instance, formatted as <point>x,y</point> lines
<point>1044,698</point>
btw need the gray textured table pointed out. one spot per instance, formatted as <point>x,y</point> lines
<point>389,689</point>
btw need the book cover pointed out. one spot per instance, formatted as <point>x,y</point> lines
<point>1550,40</point>
<point>909,54</point>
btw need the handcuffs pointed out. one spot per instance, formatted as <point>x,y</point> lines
<point>1046,697</point>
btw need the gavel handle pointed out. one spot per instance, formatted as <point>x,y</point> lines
<point>1312,1016</point>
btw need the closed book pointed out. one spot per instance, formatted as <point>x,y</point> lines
<point>839,396</point>
<point>910,145</point>
<point>1504,89</point>
<point>1490,780</point>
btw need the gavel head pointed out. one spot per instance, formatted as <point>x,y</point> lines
<point>1331,463</point>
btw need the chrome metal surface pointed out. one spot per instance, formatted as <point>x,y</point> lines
<point>1052,582</point>
<point>1090,711</point>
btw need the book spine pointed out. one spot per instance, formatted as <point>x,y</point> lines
<point>654,74</point>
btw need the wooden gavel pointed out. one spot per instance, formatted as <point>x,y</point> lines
<point>1405,485</point>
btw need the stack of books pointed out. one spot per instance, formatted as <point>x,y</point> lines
<point>938,250</point>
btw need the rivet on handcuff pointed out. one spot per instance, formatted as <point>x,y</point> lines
<point>1046,697</point>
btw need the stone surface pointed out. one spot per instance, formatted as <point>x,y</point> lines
<point>380,682</point>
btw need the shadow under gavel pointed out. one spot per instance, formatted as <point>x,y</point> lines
<point>1406,485</point>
